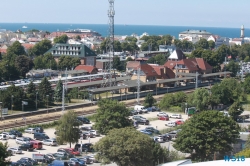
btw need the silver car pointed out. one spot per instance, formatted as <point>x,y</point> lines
<point>30,130</point>
<point>15,150</point>
<point>50,142</point>
<point>8,135</point>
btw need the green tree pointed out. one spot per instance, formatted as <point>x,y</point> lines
<point>4,154</point>
<point>206,133</point>
<point>247,143</point>
<point>16,48</point>
<point>235,110</point>
<point>117,63</point>
<point>246,84</point>
<point>78,37</point>
<point>49,62</point>
<point>104,46</point>
<point>201,99</point>
<point>45,92</point>
<point>167,101</point>
<point>68,128</point>
<point>23,65</point>
<point>202,43</point>
<point>180,97</point>
<point>211,44</point>
<point>160,59</point>
<point>232,67</point>
<point>129,59</point>
<point>128,147</point>
<point>59,91</point>
<point>38,62</point>
<point>149,100</point>
<point>197,53</point>
<point>234,88</point>
<point>41,48</point>
<point>61,39</point>
<point>68,62</point>
<point>131,39</point>
<point>111,114</point>
<point>31,95</point>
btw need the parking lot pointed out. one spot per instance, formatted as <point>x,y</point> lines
<point>158,124</point>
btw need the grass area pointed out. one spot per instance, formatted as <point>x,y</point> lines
<point>246,104</point>
<point>174,109</point>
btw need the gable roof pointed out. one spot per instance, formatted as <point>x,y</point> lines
<point>203,65</point>
<point>148,70</point>
<point>27,45</point>
<point>163,72</point>
<point>177,55</point>
<point>87,68</point>
<point>133,64</point>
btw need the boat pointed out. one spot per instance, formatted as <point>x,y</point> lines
<point>24,26</point>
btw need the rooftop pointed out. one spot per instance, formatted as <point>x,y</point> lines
<point>200,32</point>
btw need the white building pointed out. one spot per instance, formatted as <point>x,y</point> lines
<point>194,35</point>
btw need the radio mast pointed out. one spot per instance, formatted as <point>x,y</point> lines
<point>107,77</point>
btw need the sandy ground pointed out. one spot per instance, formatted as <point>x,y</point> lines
<point>52,149</point>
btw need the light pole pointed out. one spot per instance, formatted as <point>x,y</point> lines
<point>1,110</point>
<point>78,93</point>
<point>185,108</point>
<point>47,103</point>
<point>12,104</point>
<point>36,99</point>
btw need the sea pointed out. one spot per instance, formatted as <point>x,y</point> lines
<point>124,29</point>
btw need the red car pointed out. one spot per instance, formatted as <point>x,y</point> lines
<point>73,151</point>
<point>163,118</point>
<point>179,122</point>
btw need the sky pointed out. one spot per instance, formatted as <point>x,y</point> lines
<point>202,13</point>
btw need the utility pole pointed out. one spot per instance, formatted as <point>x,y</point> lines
<point>242,74</point>
<point>225,67</point>
<point>63,102</point>
<point>138,85</point>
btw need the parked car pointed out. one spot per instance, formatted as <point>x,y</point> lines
<point>30,160</point>
<point>139,109</point>
<point>142,121</point>
<point>137,116</point>
<point>158,139</point>
<point>22,140</point>
<point>24,163</point>
<point>93,158</point>
<point>14,164</point>
<point>28,139</point>
<point>152,130</point>
<point>163,117</point>
<point>170,124</point>
<point>73,163</point>
<point>87,159</point>
<point>15,150</point>
<point>133,112</point>
<point>89,134</point>
<point>68,151</point>
<point>84,120</point>
<point>61,155</point>
<point>165,137</point>
<point>162,114</point>
<point>26,147</point>
<point>95,132</point>
<point>145,132</point>
<point>30,130</point>
<point>177,116</point>
<point>49,142</point>
<point>40,136</point>
<point>154,108</point>
<point>3,137</point>
<point>179,122</point>
<point>9,135</point>
<point>80,161</point>
<point>37,144</point>
<point>85,147</point>
<point>173,134</point>
<point>72,151</point>
<point>39,129</point>
<point>86,128</point>
<point>16,133</point>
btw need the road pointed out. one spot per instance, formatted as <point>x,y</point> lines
<point>52,149</point>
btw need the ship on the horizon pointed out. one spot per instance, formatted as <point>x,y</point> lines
<point>85,31</point>
<point>24,26</point>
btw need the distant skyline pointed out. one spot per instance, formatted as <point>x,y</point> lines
<point>205,13</point>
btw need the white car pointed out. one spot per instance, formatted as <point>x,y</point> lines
<point>170,124</point>
<point>162,114</point>
<point>177,116</point>
<point>30,130</point>
<point>3,137</point>
<point>95,132</point>
<point>158,139</point>
<point>50,142</point>
<point>12,136</point>
<point>15,150</point>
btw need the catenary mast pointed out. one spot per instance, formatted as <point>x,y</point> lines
<point>107,77</point>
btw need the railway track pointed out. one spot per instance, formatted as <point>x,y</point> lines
<point>23,123</point>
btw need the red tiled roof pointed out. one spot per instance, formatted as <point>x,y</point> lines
<point>203,65</point>
<point>148,70</point>
<point>171,64</point>
<point>160,72</point>
<point>133,64</point>
<point>191,66</point>
<point>88,68</point>
<point>27,45</point>
<point>3,50</point>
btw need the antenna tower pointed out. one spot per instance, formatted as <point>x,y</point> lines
<point>107,77</point>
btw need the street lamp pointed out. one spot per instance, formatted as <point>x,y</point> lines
<point>186,108</point>
<point>47,103</point>
<point>36,99</point>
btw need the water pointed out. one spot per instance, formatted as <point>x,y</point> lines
<point>125,29</point>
